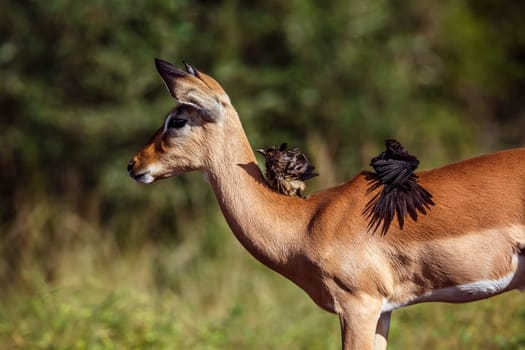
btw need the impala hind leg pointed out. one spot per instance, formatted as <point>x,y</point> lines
<point>359,323</point>
<point>518,281</point>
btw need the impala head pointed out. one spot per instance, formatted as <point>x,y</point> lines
<point>189,132</point>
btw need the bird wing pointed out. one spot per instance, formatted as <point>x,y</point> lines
<point>401,195</point>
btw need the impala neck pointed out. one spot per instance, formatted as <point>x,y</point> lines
<point>267,224</point>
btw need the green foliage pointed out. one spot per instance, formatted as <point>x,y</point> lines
<point>92,260</point>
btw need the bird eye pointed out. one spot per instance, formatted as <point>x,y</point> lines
<point>177,123</point>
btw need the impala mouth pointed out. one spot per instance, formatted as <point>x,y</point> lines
<point>145,177</point>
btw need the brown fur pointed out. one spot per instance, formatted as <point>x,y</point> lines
<point>322,243</point>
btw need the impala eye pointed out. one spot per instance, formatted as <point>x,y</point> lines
<point>177,123</point>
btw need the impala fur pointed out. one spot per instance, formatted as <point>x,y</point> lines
<point>468,247</point>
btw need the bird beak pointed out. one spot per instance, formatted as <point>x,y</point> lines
<point>261,151</point>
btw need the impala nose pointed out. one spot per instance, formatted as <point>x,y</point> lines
<point>130,165</point>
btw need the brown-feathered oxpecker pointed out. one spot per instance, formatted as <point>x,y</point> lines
<point>287,170</point>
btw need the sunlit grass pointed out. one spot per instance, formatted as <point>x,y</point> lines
<point>229,302</point>
<point>210,304</point>
<point>200,291</point>
<point>495,323</point>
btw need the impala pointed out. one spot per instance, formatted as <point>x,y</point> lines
<point>470,246</point>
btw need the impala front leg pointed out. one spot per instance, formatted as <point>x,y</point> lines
<point>383,326</point>
<point>359,323</point>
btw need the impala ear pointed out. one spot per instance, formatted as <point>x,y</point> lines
<point>189,87</point>
<point>192,70</point>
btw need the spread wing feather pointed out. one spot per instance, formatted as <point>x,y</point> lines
<point>401,195</point>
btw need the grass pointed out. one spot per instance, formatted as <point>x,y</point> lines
<point>233,304</point>
<point>202,291</point>
<point>212,305</point>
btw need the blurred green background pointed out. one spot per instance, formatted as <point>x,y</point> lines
<point>92,260</point>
